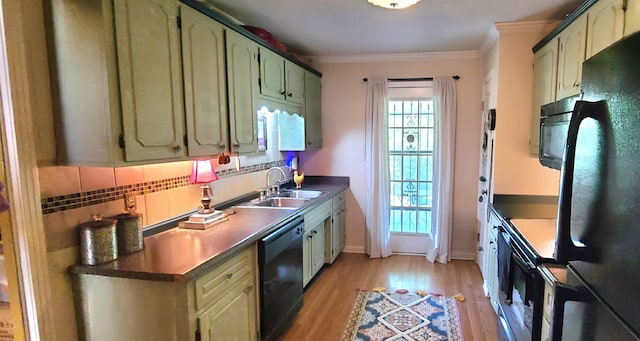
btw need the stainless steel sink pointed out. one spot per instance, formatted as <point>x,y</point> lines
<point>282,202</point>
<point>300,193</point>
<point>277,202</point>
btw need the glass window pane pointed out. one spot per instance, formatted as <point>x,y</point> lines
<point>411,141</point>
<point>395,169</point>
<point>408,221</point>
<point>410,167</point>
<point>395,140</point>
<point>425,167</point>
<point>396,193</point>
<point>424,221</point>
<point>395,221</point>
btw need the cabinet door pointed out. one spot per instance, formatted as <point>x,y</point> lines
<point>570,57</point>
<point>317,249</point>
<point>605,25</point>
<point>150,70</point>
<point>342,229</point>
<point>545,63</point>
<point>205,84</point>
<point>233,317</point>
<point>632,17</point>
<point>242,86</point>
<point>272,75</point>
<point>313,111</point>
<point>294,80</point>
<point>492,260</point>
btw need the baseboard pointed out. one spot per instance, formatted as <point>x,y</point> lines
<point>459,255</point>
<point>464,255</point>
<point>353,249</point>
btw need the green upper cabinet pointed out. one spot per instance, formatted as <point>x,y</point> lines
<point>313,111</point>
<point>281,79</point>
<point>150,73</point>
<point>205,84</point>
<point>294,80</point>
<point>271,75</point>
<point>116,81</point>
<point>142,81</point>
<point>242,77</point>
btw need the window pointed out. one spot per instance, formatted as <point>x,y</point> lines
<point>411,136</point>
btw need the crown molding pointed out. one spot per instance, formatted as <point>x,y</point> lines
<point>515,27</point>
<point>525,26</point>
<point>397,57</point>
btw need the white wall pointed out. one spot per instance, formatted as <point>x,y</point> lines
<point>515,170</point>
<point>342,154</point>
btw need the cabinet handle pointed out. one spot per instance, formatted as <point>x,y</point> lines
<point>229,275</point>
<point>177,148</point>
<point>282,92</point>
<point>315,232</point>
<point>235,144</point>
<point>221,145</point>
<point>290,94</point>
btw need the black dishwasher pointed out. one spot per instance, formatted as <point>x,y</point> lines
<point>280,259</point>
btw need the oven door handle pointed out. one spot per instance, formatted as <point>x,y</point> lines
<point>564,293</point>
<point>524,264</point>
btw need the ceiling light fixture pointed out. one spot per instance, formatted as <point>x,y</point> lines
<point>394,4</point>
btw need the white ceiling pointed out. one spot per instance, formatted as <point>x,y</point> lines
<point>355,27</point>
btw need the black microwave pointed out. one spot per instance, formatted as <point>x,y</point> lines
<point>554,125</point>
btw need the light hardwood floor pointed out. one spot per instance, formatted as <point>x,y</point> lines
<point>328,300</point>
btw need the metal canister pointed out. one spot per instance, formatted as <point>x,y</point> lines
<point>129,232</point>
<point>98,241</point>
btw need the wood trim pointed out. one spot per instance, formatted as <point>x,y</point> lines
<point>17,88</point>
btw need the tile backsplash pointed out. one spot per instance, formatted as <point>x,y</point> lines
<point>72,195</point>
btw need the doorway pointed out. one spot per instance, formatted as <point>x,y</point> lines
<point>411,134</point>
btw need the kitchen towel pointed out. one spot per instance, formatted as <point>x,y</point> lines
<point>504,263</point>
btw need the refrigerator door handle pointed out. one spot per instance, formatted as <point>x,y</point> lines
<point>564,293</point>
<point>566,250</point>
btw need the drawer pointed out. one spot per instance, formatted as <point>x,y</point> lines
<point>223,278</point>
<point>339,200</point>
<point>317,215</point>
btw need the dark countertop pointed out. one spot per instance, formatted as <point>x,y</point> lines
<point>531,221</point>
<point>177,254</point>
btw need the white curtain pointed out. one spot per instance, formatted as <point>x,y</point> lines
<point>377,170</point>
<point>444,96</point>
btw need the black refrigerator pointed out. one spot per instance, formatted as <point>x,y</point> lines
<point>598,231</point>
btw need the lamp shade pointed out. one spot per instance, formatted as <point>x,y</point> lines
<point>202,172</point>
<point>394,4</point>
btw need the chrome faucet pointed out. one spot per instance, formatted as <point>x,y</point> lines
<point>275,188</point>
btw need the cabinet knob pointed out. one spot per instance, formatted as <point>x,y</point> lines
<point>282,92</point>
<point>315,232</point>
<point>480,248</point>
<point>235,144</point>
<point>221,145</point>
<point>290,94</point>
<point>177,148</point>
<point>229,275</point>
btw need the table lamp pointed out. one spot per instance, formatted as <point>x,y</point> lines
<point>202,173</point>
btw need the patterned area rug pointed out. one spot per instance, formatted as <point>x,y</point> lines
<point>403,317</point>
